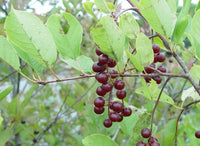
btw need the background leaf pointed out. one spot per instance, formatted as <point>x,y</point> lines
<point>98,140</point>
<point>68,43</point>
<point>8,54</point>
<point>5,92</point>
<point>27,32</point>
<point>101,4</point>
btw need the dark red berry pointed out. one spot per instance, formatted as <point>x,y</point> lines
<point>119,84</point>
<point>120,118</point>
<point>23,121</point>
<point>152,139</point>
<point>148,70</point>
<point>197,134</point>
<point>126,111</point>
<point>103,59</point>
<point>146,133</point>
<point>147,79</point>
<point>99,110</point>
<point>156,48</point>
<point>111,62</point>
<point>155,58</point>
<point>107,123</point>
<point>160,57</point>
<point>117,106</point>
<point>110,104</point>
<point>170,60</point>
<point>114,116</point>
<point>107,86</point>
<point>34,140</point>
<point>100,91</point>
<point>98,52</point>
<point>162,69</point>
<point>121,94</point>
<point>98,67</point>
<point>157,79</point>
<point>99,102</point>
<point>101,77</point>
<point>168,53</point>
<point>141,143</point>
<point>113,72</point>
<point>36,132</point>
<point>154,144</point>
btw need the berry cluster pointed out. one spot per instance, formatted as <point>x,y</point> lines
<point>158,57</point>
<point>107,78</point>
<point>152,141</point>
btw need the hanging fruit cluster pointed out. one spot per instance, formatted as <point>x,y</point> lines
<point>108,78</point>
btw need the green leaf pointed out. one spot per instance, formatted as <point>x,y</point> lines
<point>198,6</point>
<point>110,42</point>
<point>189,93</point>
<point>180,28</point>
<point>5,136</point>
<point>194,71</point>
<point>98,140</point>
<point>88,7</point>
<point>159,16</point>
<point>8,54</point>
<point>83,63</point>
<point>144,50</point>
<point>29,33</point>
<point>5,92</point>
<point>143,122</point>
<point>110,6</point>
<point>50,139</point>
<point>152,92</point>
<point>101,4</point>
<point>196,31</point>
<point>35,64</point>
<point>128,124</point>
<point>1,120</point>
<point>68,43</point>
<point>128,25</point>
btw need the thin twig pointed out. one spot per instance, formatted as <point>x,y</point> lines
<point>157,103</point>
<point>185,107</point>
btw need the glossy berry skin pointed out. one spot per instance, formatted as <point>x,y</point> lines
<point>99,102</point>
<point>23,121</point>
<point>162,69</point>
<point>121,94</point>
<point>160,57</point>
<point>111,62</point>
<point>147,79</point>
<point>36,132</point>
<point>114,116</point>
<point>98,52</point>
<point>155,58</point>
<point>99,110</point>
<point>98,67</point>
<point>100,91</point>
<point>148,70</point>
<point>156,48</point>
<point>101,77</point>
<point>119,84</point>
<point>157,79</point>
<point>120,118</point>
<point>117,106</point>
<point>34,140</point>
<point>152,139</point>
<point>107,123</point>
<point>154,144</point>
<point>146,133</point>
<point>107,86</point>
<point>103,59</point>
<point>113,72</point>
<point>126,111</point>
<point>110,104</point>
<point>141,143</point>
<point>197,134</point>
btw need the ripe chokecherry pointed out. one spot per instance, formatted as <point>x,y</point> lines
<point>98,52</point>
<point>146,133</point>
<point>121,94</point>
<point>114,116</point>
<point>126,111</point>
<point>160,57</point>
<point>141,143</point>
<point>107,123</point>
<point>162,69</point>
<point>156,48</point>
<point>98,67</point>
<point>36,131</point>
<point>157,79</point>
<point>111,62</point>
<point>99,110</point>
<point>113,72</point>
<point>99,102</point>
<point>107,86</point>
<point>197,134</point>
<point>103,59</point>
<point>117,106</point>
<point>101,77</point>
<point>119,84</point>
<point>100,91</point>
